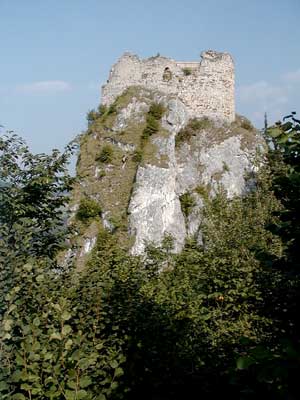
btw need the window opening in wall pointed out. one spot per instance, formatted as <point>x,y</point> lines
<point>167,75</point>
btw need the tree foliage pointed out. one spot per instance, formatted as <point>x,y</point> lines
<point>217,319</point>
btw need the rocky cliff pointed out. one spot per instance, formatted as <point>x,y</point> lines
<point>145,165</point>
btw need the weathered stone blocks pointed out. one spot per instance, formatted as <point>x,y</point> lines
<point>206,88</point>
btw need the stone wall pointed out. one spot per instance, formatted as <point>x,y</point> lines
<point>206,88</point>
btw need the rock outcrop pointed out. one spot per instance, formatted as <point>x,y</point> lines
<point>151,186</point>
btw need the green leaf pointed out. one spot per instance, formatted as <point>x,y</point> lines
<point>84,363</point>
<point>283,139</point>
<point>244,362</point>
<point>36,390</point>
<point>72,384</point>
<point>114,364</point>
<point>36,321</point>
<point>25,386</point>
<point>274,132</point>
<point>18,396</point>
<point>68,344</point>
<point>101,397</point>
<point>66,316</point>
<point>114,385</point>
<point>33,378</point>
<point>55,336</point>
<point>40,278</point>
<point>66,330</point>
<point>70,395</point>
<point>119,372</point>
<point>3,386</point>
<point>56,306</point>
<point>7,336</point>
<point>7,324</point>
<point>85,381</point>
<point>27,267</point>
<point>81,394</point>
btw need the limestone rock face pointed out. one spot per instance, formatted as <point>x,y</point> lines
<point>155,208</point>
<point>143,187</point>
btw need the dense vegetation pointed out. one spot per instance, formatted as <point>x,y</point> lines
<point>218,319</point>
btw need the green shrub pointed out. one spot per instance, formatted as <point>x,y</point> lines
<point>102,110</point>
<point>194,125</point>
<point>187,71</point>
<point>225,167</point>
<point>246,124</point>
<point>112,109</point>
<point>151,127</point>
<point>88,208</point>
<point>137,156</point>
<point>165,325</point>
<point>157,110</point>
<point>153,117</point>
<point>106,154</point>
<point>52,341</point>
<point>91,116</point>
<point>203,191</point>
<point>187,203</point>
<point>198,124</point>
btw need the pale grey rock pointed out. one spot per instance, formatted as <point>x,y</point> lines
<point>176,117</point>
<point>228,160</point>
<point>194,219</point>
<point>73,210</point>
<point>106,222</point>
<point>127,147</point>
<point>155,203</point>
<point>134,112</point>
<point>68,258</point>
<point>155,209</point>
<point>97,172</point>
<point>206,160</point>
<point>88,245</point>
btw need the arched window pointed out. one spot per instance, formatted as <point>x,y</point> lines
<point>167,75</point>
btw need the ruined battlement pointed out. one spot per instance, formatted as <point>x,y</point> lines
<point>205,87</point>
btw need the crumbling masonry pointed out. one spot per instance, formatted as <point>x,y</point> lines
<point>206,87</point>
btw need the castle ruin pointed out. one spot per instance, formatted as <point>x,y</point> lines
<point>205,87</point>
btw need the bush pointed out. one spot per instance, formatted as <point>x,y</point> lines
<point>102,110</point>
<point>246,124</point>
<point>91,116</point>
<point>203,191</point>
<point>52,341</point>
<point>157,110</point>
<point>151,127</point>
<point>153,117</point>
<point>106,154</point>
<point>194,125</point>
<point>187,71</point>
<point>88,208</point>
<point>163,326</point>
<point>187,203</point>
<point>137,156</point>
<point>112,109</point>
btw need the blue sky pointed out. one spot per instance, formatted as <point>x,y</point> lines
<point>55,54</point>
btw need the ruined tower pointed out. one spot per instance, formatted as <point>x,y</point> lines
<point>206,87</point>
